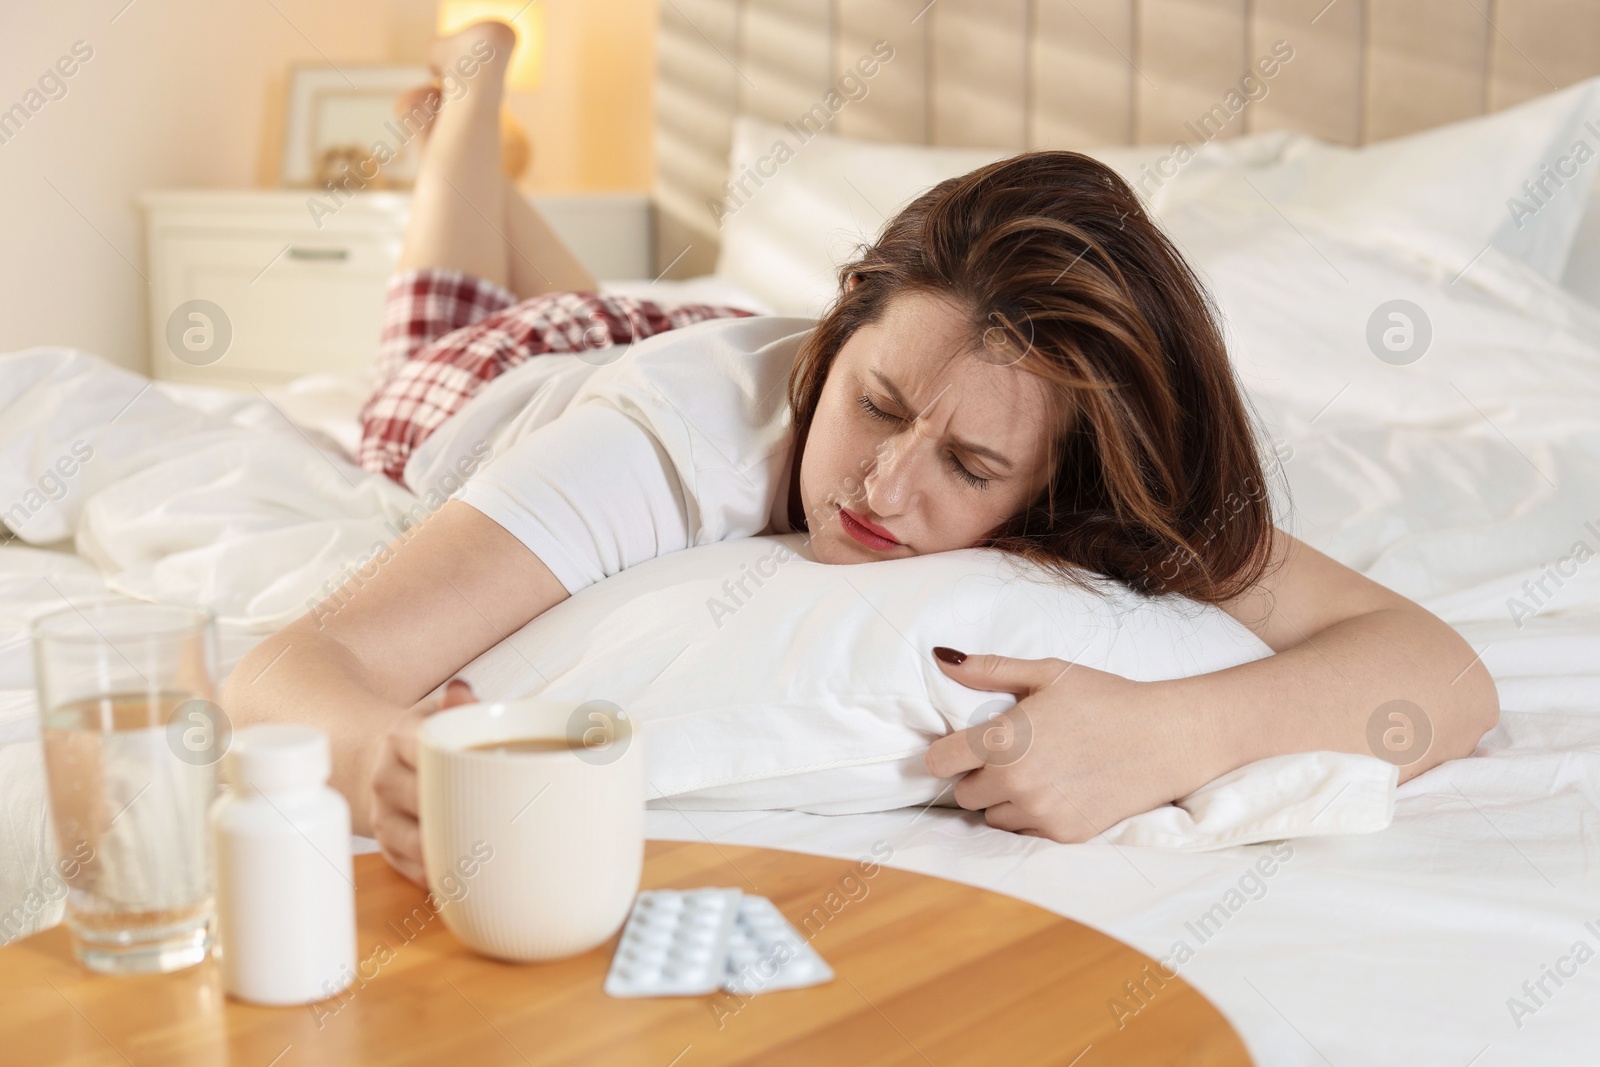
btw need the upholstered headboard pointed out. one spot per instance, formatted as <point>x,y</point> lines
<point>1026,74</point>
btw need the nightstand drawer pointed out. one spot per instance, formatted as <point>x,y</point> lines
<point>313,304</point>
<point>301,291</point>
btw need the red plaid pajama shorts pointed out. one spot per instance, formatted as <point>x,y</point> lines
<point>447,333</point>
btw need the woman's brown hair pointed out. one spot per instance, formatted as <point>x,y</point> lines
<point>1158,481</point>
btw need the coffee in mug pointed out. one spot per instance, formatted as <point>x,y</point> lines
<point>527,744</point>
<point>547,798</point>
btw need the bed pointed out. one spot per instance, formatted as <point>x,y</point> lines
<point>1461,468</point>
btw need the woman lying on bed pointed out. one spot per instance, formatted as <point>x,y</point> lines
<point>1021,360</point>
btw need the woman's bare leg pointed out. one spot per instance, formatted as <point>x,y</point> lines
<point>540,261</point>
<point>458,202</point>
<point>465,215</point>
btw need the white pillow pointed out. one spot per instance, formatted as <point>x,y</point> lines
<point>1451,191</point>
<point>817,691</point>
<point>1582,273</point>
<point>805,206</point>
<point>785,240</point>
<point>1313,318</point>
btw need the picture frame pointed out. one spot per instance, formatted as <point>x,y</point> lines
<point>338,116</point>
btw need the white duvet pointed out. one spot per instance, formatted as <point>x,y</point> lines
<point>1469,480</point>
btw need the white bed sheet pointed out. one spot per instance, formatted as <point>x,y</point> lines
<point>1402,947</point>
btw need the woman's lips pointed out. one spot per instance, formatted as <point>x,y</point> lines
<point>869,534</point>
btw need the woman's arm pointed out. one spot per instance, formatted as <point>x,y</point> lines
<point>1345,647</point>
<point>454,586</point>
<point>1084,749</point>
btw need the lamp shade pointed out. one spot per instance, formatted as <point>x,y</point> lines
<point>527,18</point>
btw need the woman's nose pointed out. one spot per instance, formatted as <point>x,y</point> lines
<point>891,484</point>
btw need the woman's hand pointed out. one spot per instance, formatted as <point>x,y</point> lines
<point>394,784</point>
<point>1081,750</point>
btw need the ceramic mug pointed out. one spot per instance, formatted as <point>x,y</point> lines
<point>533,855</point>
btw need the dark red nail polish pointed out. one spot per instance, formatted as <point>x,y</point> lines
<point>950,655</point>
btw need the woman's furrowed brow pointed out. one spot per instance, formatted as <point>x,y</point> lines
<point>963,445</point>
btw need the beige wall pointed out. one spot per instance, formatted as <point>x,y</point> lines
<point>189,94</point>
<point>591,119</point>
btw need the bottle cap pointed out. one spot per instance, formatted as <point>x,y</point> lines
<point>277,757</point>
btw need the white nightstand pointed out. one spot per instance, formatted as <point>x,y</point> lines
<point>298,297</point>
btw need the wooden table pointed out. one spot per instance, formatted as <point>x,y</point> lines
<point>927,972</point>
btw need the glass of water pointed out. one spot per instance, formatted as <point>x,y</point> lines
<point>131,740</point>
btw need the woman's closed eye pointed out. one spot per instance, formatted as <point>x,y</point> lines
<point>956,466</point>
<point>874,410</point>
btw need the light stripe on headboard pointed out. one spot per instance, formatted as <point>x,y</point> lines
<point>1083,73</point>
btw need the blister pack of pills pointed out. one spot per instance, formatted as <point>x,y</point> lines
<point>675,943</point>
<point>766,952</point>
<point>692,942</point>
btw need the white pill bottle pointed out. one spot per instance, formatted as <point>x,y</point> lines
<point>286,916</point>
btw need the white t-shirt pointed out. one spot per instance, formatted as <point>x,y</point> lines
<point>684,440</point>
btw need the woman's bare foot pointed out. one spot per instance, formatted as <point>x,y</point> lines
<point>465,214</point>
<point>472,62</point>
<point>483,44</point>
